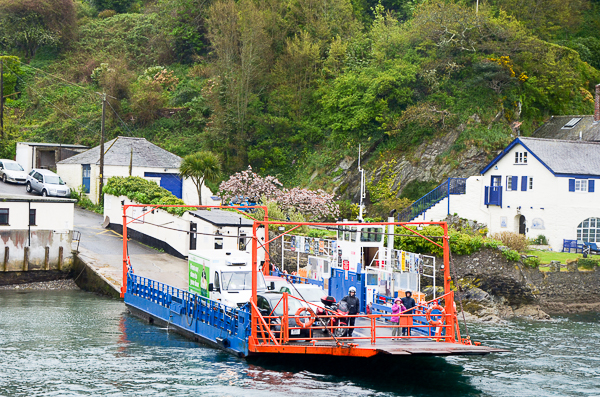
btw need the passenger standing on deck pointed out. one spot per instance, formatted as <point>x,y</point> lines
<point>397,308</point>
<point>353,307</point>
<point>409,303</point>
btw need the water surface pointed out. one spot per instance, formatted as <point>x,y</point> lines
<point>74,343</point>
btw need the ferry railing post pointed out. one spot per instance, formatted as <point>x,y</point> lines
<point>267,266</point>
<point>373,327</point>
<point>124,286</point>
<point>254,270</point>
<point>284,322</point>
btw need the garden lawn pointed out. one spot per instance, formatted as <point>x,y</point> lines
<point>547,256</point>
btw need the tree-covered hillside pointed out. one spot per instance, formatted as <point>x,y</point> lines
<point>293,86</point>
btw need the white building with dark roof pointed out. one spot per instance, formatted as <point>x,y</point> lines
<point>534,187</point>
<point>146,159</point>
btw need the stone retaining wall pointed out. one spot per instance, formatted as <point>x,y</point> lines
<point>553,291</point>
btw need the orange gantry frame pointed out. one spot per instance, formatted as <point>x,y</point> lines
<point>264,339</point>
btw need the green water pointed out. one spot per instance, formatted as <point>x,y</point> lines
<point>73,343</point>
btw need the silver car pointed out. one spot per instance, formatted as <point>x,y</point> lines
<point>47,183</point>
<point>11,171</point>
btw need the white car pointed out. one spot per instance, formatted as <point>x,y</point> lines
<point>308,292</point>
<point>278,283</point>
<point>11,171</point>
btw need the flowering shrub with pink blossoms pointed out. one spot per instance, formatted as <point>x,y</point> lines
<point>310,203</point>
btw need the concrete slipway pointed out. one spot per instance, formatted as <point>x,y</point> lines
<point>99,266</point>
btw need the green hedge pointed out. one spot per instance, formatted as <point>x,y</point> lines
<point>460,243</point>
<point>143,191</point>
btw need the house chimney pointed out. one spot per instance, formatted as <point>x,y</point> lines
<point>597,105</point>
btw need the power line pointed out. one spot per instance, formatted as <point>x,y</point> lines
<point>58,77</point>
<point>119,117</point>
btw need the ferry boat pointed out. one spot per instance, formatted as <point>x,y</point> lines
<point>229,306</point>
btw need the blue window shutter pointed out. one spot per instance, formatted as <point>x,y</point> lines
<point>571,185</point>
<point>524,183</point>
<point>515,182</point>
<point>591,185</point>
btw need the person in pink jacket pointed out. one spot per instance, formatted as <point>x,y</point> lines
<point>397,308</point>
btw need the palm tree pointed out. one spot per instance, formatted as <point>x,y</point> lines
<point>200,167</point>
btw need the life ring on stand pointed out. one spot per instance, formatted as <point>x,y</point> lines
<point>308,322</point>
<point>435,323</point>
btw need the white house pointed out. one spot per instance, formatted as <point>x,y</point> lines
<point>45,155</point>
<point>534,187</point>
<point>146,160</point>
<point>178,235</point>
<point>36,233</point>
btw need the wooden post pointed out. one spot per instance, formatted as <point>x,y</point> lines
<point>6,251</point>
<point>101,196</point>
<point>26,259</point>
<point>60,257</point>
<point>47,258</point>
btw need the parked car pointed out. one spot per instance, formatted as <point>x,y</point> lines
<point>47,183</point>
<point>308,292</point>
<point>11,171</point>
<point>275,283</point>
<point>270,304</point>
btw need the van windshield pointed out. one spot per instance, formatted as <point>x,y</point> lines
<point>235,281</point>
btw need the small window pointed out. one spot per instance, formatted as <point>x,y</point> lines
<point>572,123</point>
<point>530,183</point>
<point>216,283</point>
<point>3,216</point>
<point>509,182</point>
<point>520,157</point>
<point>31,217</point>
<point>581,185</point>
<point>353,234</point>
<point>218,243</point>
<point>242,242</point>
<point>371,234</point>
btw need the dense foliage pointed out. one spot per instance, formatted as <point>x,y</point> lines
<point>460,243</point>
<point>143,191</point>
<point>293,87</point>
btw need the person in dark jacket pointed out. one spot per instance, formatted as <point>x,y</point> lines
<point>409,303</point>
<point>353,307</point>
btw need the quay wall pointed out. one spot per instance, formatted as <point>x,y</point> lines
<point>89,279</point>
<point>24,251</point>
<point>554,292</point>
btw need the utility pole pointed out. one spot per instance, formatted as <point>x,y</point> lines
<point>1,99</point>
<point>101,197</point>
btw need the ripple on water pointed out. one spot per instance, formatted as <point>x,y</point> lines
<point>72,343</point>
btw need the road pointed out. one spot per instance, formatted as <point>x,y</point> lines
<point>13,188</point>
<point>103,249</point>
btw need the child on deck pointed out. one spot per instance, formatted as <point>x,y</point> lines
<point>397,308</point>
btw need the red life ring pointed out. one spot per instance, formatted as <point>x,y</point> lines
<point>435,323</point>
<point>308,322</point>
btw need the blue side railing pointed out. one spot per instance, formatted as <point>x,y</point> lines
<point>297,279</point>
<point>450,186</point>
<point>228,327</point>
